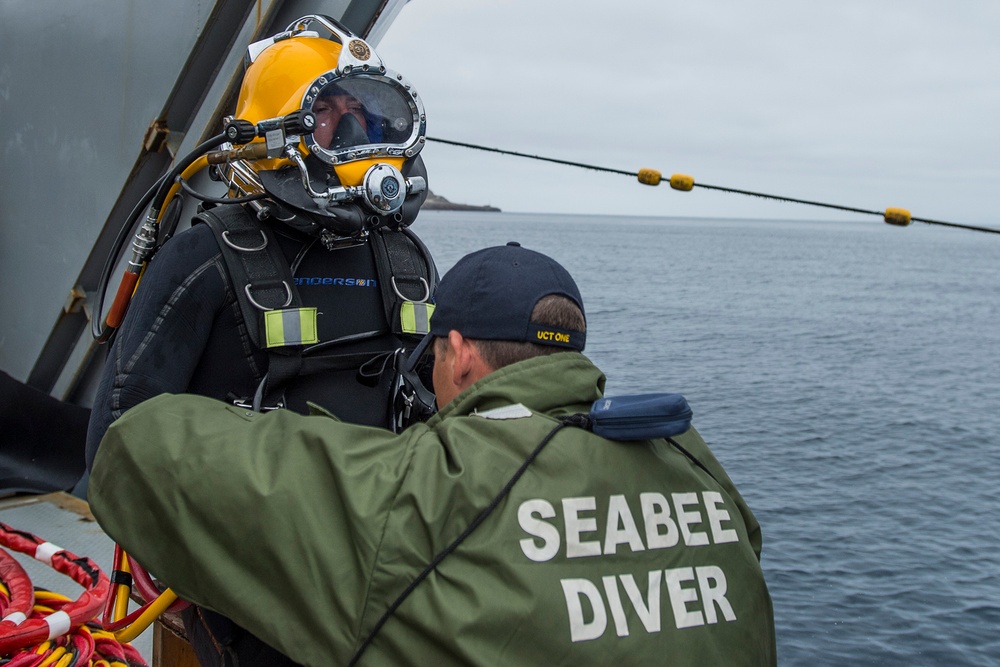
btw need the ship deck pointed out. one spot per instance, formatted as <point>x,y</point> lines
<point>65,521</point>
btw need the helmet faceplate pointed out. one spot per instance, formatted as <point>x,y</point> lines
<point>365,113</point>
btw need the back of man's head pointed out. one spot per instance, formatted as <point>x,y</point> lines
<point>553,312</point>
<point>513,302</point>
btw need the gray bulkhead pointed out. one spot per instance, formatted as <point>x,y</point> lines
<point>96,99</point>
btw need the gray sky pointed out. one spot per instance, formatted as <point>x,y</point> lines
<point>854,102</point>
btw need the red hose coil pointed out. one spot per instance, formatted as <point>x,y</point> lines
<point>85,608</point>
<point>20,594</point>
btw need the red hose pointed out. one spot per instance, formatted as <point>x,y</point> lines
<point>20,594</point>
<point>147,587</point>
<point>16,635</point>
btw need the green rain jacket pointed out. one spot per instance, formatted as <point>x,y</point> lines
<point>304,530</point>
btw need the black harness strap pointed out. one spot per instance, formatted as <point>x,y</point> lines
<point>262,280</point>
<point>259,270</point>
<point>404,274</point>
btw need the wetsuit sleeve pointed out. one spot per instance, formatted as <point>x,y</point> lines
<point>167,327</point>
<point>296,572</point>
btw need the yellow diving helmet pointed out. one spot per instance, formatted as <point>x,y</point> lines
<point>310,105</point>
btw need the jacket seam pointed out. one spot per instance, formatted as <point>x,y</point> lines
<point>411,448</point>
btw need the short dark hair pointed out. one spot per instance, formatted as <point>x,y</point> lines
<point>554,310</point>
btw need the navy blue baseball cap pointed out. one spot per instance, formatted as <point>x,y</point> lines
<point>489,295</point>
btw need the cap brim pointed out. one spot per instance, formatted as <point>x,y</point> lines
<point>418,352</point>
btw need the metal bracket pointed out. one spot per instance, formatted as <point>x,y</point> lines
<point>76,300</point>
<point>156,136</point>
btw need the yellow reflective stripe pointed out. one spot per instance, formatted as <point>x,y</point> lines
<point>415,318</point>
<point>290,326</point>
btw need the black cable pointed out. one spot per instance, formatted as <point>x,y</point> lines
<point>156,194</point>
<point>692,457</point>
<point>183,164</point>
<point>306,247</point>
<point>218,200</point>
<point>958,225</point>
<point>841,208</point>
<point>750,193</point>
<point>787,199</point>
<point>533,157</point>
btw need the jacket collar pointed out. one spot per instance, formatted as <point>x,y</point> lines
<point>562,382</point>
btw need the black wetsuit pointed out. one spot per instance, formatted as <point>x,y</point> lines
<point>185,333</point>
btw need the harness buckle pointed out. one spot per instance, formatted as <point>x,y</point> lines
<point>427,290</point>
<point>247,405</point>
<point>225,238</point>
<point>288,299</point>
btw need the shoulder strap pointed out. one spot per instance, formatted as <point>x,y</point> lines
<point>259,271</point>
<point>407,278</point>
<point>265,290</point>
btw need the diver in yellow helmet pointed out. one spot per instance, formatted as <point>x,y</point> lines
<point>350,172</point>
<point>304,284</point>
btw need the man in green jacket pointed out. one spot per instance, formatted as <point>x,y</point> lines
<point>500,532</point>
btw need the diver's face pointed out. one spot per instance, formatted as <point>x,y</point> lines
<point>329,111</point>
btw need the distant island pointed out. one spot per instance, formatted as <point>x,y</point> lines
<point>438,203</point>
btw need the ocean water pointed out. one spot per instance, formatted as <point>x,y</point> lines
<point>847,374</point>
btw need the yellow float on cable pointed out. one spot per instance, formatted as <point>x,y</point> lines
<point>677,181</point>
<point>649,176</point>
<point>897,216</point>
<point>682,182</point>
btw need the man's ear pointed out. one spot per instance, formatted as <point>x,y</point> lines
<point>462,354</point>
<point>468,367</point>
